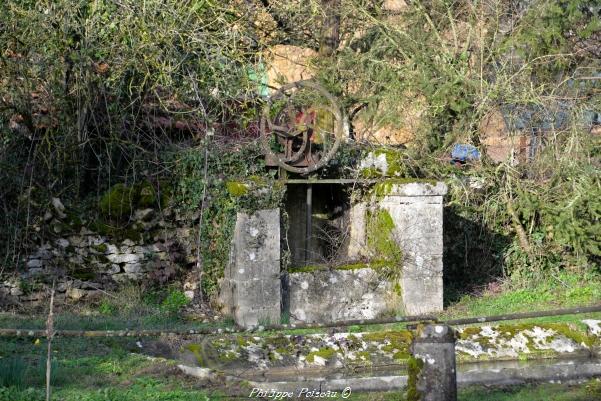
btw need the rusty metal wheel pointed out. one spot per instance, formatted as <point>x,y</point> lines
<point>290,116</point>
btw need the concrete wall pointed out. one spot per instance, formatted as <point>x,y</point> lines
<point>416,209</point>
<point>333,295</point>
<point>251,289</point>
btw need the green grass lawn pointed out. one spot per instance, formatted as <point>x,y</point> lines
<point>110,369</point>
<point>588,391</point>
<point>102,369</point>
<point>561,290</point>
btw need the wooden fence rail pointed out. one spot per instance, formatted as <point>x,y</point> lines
<point>280,327</point>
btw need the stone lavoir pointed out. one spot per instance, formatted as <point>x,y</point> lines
<point>388,262</point>
<point>381,257</point>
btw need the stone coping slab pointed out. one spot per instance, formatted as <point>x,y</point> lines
<point>387,349</point>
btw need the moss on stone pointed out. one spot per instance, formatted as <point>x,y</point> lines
<point>278,340</point>
<point>307,269</point>
<point>118,201</point>
<point>414,368</point>
<point>354,342</point>
<point>115,231</point>
<point>562,329</point>
<point>283,351</point>
<point>399,337</point>
<point>380,228</point>
<point>381,242</point>
<point>383,188</point>
<point>370,173</point>
<point>196,349</point>
<point>374,264</point>
<point>468,332</point>
<point>325,353</point>
<point>401,356</point>
<point>258,180</point>
<point>236,188</point>
<point>363,356</point>
<point>242,342</point>
<point>507,332</point>
<point>394,161</point>
<point>227,356</point>
<point>398,342</point>
<point>149,197</point>
<point>102,248</point>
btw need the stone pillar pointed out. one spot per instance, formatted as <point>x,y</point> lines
<point>432,370</point>
<point>416,210</point>
<point>251,289</point>
<point>357,243</point>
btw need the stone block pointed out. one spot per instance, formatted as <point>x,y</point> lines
<point>34,263</point>
<point>143,214</point>
<point>422,294</point>
<point>62,243</point>
<point>114,269</point>
<point>257,292</point>
<point>132,267</point>
<point>334,295</point>
<point>357,245</point>
<point>417,212</point>
<point>16,291</point>
<point>75,293</point>
<point>89,285</point>
<point>251,288</point>
<point>62,286</point>
<point>252,317</point>
<point>123,258</point>
<point>436,379</point>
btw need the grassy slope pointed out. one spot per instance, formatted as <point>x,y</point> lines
<point>94,370</point>
<point>561,290</point>
<point>106,369</point>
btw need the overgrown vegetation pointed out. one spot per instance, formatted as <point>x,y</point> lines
<point>217,184</point>
<point>112,106</point>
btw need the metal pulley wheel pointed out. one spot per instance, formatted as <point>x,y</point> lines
<point>302,127</point>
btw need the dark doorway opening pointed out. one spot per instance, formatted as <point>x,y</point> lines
<point>318,223</point>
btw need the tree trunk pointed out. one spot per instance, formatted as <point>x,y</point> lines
<point>330,31</point>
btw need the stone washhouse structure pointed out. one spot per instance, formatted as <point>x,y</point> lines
<point>257,289</point>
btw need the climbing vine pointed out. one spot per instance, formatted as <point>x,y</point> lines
<point>235,182</point>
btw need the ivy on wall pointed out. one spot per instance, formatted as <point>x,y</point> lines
<point>235,181</point>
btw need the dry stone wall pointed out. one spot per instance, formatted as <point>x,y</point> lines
<point>85,263</point>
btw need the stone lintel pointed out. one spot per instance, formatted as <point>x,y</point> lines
<point>417,189</point>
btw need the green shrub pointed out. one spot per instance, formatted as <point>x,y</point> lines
<point>106,308</point>
<point>14,394</point>
<point>174,301</point>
